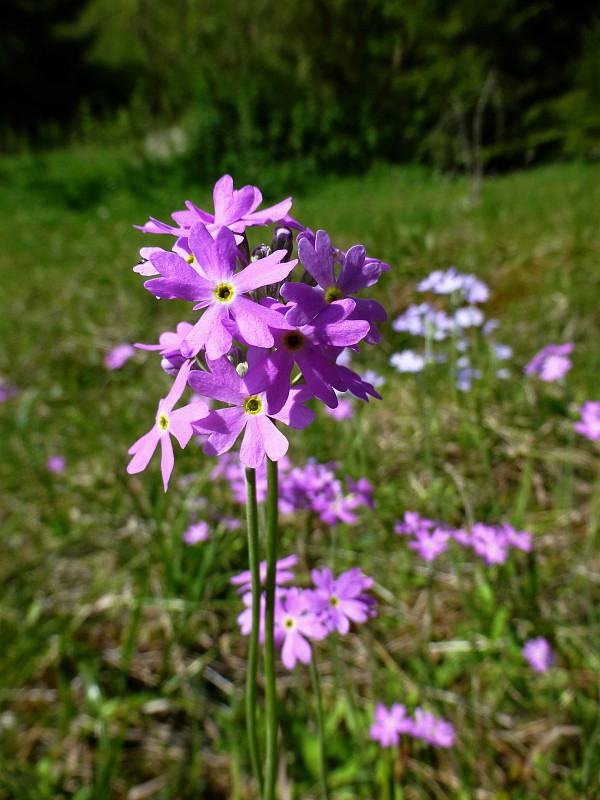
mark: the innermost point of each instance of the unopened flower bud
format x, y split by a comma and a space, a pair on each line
262, 251
171, 362
283, 239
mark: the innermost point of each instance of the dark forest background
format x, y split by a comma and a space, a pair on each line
329, 84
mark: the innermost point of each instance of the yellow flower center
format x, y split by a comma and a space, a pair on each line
190, 259
252, 405
163, 422
334, 601
224, 292
293, 340
332, 294
289, 623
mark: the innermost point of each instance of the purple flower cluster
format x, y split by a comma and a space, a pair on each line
589, 426
314, 487
455, 324
390, 724
306, 615
491, 543
262, 346
551, 363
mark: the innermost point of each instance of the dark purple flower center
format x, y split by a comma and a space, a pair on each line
293, 340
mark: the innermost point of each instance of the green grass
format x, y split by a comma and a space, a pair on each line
122, 664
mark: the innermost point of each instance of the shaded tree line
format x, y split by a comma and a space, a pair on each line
332, 83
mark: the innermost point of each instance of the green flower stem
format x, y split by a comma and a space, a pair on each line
391, 771
316, 685
254, 562
270, 689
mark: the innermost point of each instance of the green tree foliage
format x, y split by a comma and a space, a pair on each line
338, 83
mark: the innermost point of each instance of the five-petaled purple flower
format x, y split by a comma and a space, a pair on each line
250, 412
342, 600
211, 282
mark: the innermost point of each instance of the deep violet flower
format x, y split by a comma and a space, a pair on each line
538, 653
178, 423
250, 411
318, 259
309, 346
219, 290
590, 420
296, 624
390, 724
342, 600
551, 363
235, 209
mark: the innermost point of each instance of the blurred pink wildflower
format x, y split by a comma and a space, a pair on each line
538, 653
551, 363
590, 420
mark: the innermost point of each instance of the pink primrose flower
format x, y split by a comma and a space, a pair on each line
551, 363
198, 532
234, 209
250, 412
216, 288
342, 600
296, 625
590, 420
390, 724
168, 422
538, 653
436, 732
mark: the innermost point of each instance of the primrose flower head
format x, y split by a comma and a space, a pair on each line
590, 420
168, 422
389, 724
434, 731
198, 532
342, 600
551, 363
538, 653
296, 624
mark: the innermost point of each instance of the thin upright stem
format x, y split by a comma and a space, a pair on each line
316, 685
254, 562
270, 689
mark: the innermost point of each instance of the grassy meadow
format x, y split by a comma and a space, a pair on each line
122, 663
